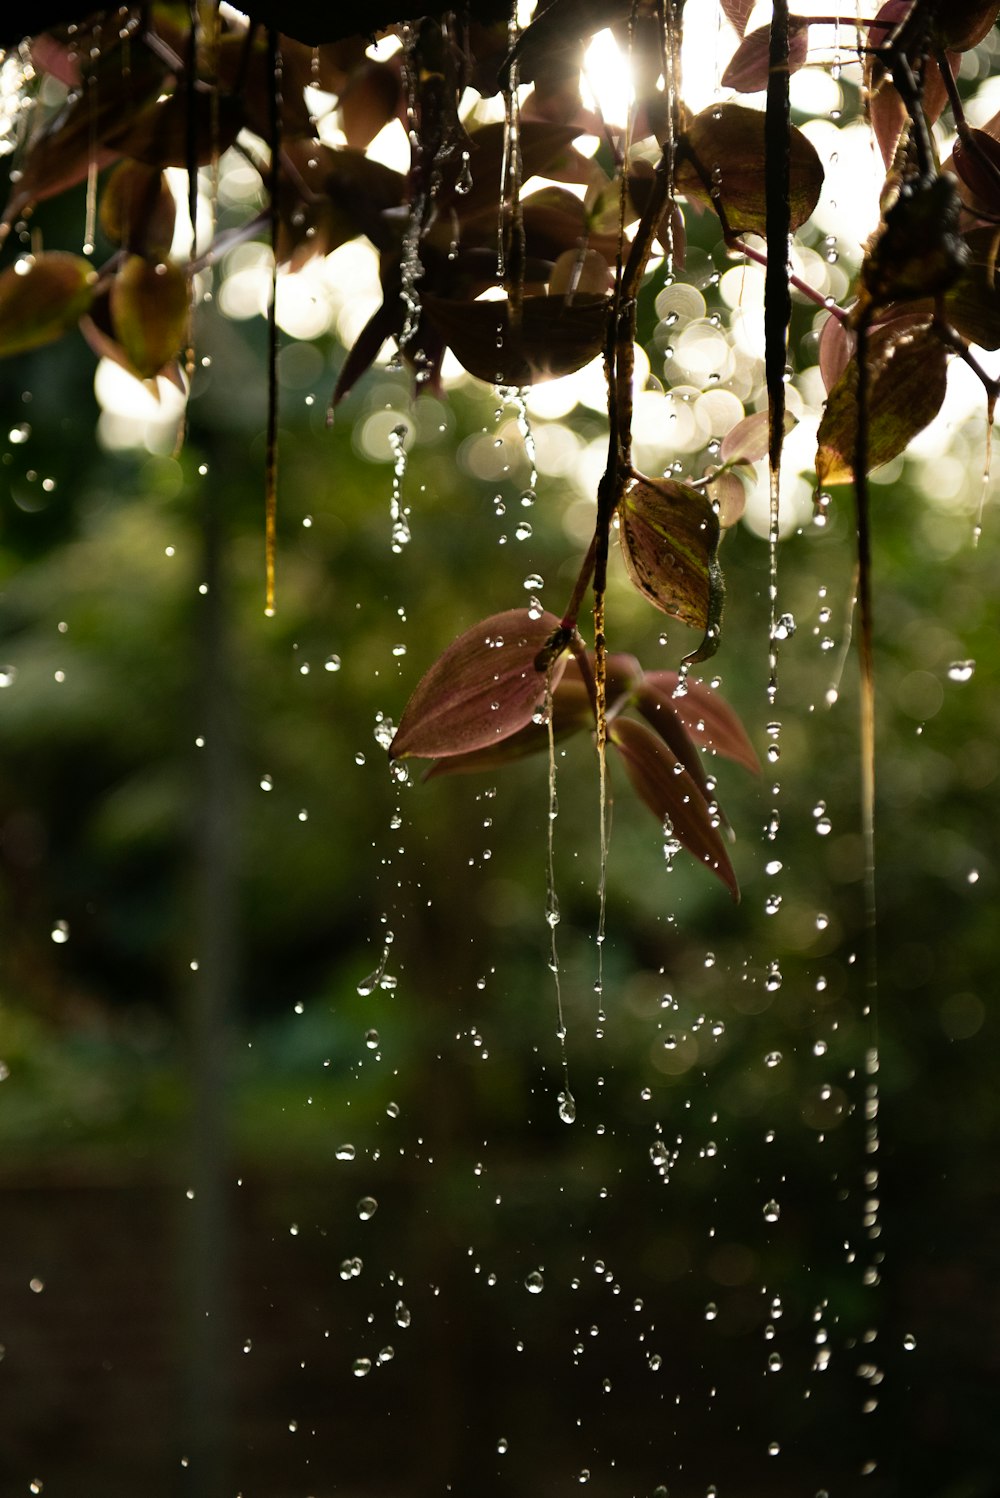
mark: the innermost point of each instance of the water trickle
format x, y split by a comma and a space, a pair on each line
398, 512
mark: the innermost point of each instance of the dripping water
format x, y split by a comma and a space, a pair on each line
566, 1101
398, 512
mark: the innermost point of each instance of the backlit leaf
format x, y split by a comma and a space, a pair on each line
746, 442
487, 685
149, 310
41, 297
138, 209
669, 534
722, 164
748, 69
973, 303
673, 797
555, 336
907, 380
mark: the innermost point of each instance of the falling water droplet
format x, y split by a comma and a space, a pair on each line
367, 1207
772, 1211
535, 1282
362, 1367
961, 670
567, 1107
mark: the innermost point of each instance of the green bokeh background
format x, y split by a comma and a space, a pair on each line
179, 1311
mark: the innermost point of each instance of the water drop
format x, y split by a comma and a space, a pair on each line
711, 1311
533, 582
773, 1058
60, 933
332, 663
774, 1363
535, 1282
659, 1154
567, 1107
402, 1314
8, 675
502, 1445
772, 1211
345, 1152
523, 530
909, 1342
362, 1367
961, 670
367, 1207
371, 1039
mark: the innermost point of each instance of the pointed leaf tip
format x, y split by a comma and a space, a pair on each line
486, 686
672, 796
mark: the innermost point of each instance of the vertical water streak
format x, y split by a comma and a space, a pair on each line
397, 510
566, 1101
90, 212
271, 456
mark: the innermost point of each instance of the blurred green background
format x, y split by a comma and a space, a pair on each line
202, 856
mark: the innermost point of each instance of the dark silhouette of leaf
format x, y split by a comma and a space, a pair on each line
557, 34
41, 297
748, 68
669, 534
976, 163
369, 101
138, 210
973, 303
149, 311
486, 686
673, 797
546, 151
555, 336
722, 164
708, 717
907, 372
964, 23
917, 252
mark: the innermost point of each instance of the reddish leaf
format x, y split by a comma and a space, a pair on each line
149, 311
907, 380
555, 336
485, 687
571, 712
658, 711
727, 491
669, 534
672, 796
964, 23
747, 72
836, 345
708, 717
41, 297
977, 166
546, 150
723, 164
738, 13
746, 442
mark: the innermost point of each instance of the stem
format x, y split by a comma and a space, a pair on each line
760, 258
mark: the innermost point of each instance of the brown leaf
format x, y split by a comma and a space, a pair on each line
41, 297
727, 491
973, 303
369, 101
708, 717
149, 311
748, 70
917, 252
672, 796
669, 535
722, 164
486, 686
138, 209
907, 379
555, 336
